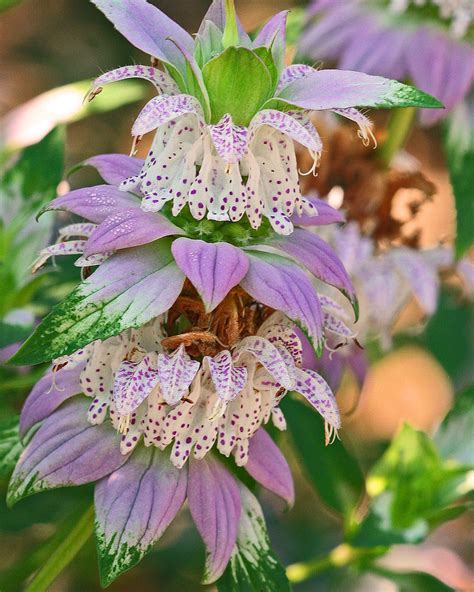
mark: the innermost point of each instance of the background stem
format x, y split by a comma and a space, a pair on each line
64, 553
398, 131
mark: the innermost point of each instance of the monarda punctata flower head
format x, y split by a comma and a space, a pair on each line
174, 353
429, 42
228, 112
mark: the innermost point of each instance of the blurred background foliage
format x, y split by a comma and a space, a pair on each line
402, 473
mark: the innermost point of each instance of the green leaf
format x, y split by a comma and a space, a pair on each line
377, 529
10, 334
253, 566
238, 83
36, 174
334, 473
413, 472
452, 437
128, 290
413, 582
10, 445
4, 4
461, 170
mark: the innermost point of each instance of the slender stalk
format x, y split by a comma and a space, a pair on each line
64, 553
398, 131
341, 556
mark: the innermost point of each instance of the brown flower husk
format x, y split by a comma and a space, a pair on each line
370, 189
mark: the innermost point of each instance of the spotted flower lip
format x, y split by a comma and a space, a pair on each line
397, 44
143, 259
171, 398
224, 144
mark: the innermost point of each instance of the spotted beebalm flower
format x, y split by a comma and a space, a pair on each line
228, 112
174, 413
429, 42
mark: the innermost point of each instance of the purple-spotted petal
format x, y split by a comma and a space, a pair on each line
66, 450
94, 203
48, 394
115, 168
162, 109
133, 383
148, 28
292, 73
326, 214
271, 358
318, 257
229, 140
288, 125
318, 393
176, 373
213, 268
278, 283
214, 502
130, 227
228, 379
160, 80
134, 506
267, 465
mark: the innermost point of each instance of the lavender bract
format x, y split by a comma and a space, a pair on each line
428, 42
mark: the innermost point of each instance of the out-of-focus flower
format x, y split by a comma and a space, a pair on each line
428, 42
385, 283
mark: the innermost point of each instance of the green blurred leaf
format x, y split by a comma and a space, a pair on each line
10, 445
461, 170
4, 4
238, 83
334, 473
10, 334
36, 174
454, 436
413, 582
253, 566
413, 490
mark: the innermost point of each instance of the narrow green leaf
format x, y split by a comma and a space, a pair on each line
128, 290
452, 437
334, 473
64, 553
238, 83
413, 582
10, 445
253, 566
461, 170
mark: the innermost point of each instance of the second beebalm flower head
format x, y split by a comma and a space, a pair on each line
228, 111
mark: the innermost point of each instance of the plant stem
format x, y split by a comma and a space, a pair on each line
64, 553
398, 131
341, 556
